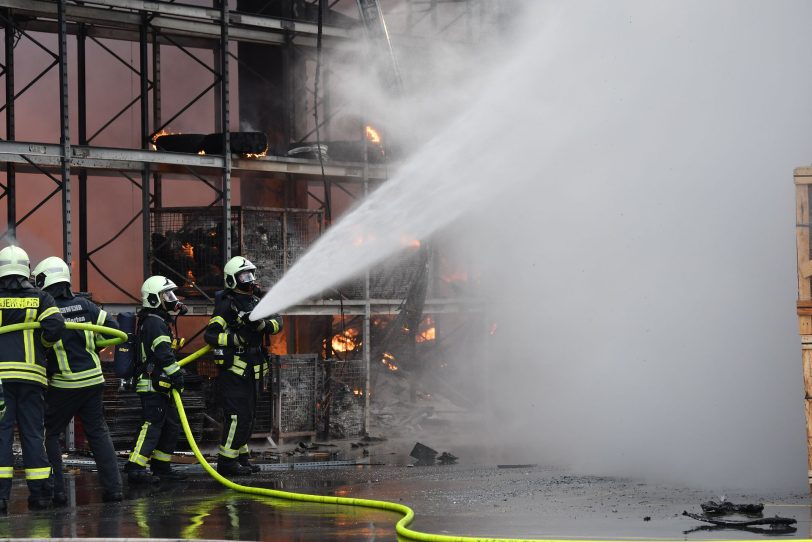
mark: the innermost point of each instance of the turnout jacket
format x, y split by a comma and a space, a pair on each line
22, 353
239, 338
74, 362
155, 340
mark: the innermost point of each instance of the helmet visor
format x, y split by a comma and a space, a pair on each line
245, 277
170, 300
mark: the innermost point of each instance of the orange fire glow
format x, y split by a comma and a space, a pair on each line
372, 135
190, 278
345, 341
429, 335
188, 250
159, 134
388, 360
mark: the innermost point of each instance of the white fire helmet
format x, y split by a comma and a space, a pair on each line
50, 271
157, 289
239, 273
14, 261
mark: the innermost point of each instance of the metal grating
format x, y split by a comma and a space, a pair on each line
273, 239
346, 386
186, 243
297, 390
388, 280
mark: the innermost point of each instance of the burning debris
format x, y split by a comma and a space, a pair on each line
245, 144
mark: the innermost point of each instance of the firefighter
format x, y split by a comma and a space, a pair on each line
158, 373
23, 372
243, 362
76, 384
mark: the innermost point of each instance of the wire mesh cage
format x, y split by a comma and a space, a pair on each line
388, 280
345, 404
296, 389
186, 246
186, 243
273, 239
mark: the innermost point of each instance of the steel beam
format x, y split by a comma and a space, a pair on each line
64, 139
11, 174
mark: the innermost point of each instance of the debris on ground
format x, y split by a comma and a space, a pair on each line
423, 454
447, 459
724, 507
776, 524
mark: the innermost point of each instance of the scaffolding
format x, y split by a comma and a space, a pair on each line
206, 36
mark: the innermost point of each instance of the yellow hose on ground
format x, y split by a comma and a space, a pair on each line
401, 527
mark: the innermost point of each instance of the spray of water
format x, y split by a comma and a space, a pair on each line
626, 179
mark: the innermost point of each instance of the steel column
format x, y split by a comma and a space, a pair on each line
145, 142
225, 121
11, 169
156, 109
82, 98
64, 140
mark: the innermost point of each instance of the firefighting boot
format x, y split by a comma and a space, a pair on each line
136, 474
164, 471
243, 461
230, 467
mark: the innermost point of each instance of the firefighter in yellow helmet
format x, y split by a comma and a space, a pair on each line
76, 384
158, 373
242, 364
23, 372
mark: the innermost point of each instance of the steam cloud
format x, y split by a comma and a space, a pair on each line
626, 178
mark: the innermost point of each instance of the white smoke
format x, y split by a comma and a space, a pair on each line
627, 177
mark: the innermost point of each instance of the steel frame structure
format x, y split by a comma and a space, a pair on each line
152, 24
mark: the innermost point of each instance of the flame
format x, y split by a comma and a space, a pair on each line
256, 155
190, 278
358, 392
159, 134
345, 341
429, 335
188, 250
202, 153
372, 135
388, 360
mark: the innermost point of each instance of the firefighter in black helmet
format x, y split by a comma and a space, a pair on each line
243, 362
76, 384
158, 374
23, 372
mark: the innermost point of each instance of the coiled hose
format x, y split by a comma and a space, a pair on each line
401, 527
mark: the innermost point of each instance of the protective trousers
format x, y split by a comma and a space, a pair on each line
62, 404
239, 395
25, 407
158, 436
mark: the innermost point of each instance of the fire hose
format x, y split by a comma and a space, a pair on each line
401, 527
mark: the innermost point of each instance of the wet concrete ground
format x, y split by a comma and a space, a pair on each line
531, 502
